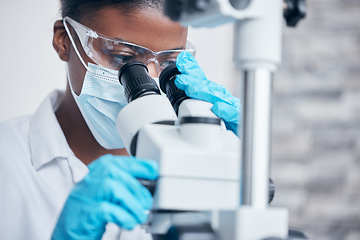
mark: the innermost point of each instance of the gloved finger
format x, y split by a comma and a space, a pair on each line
121, 195
116, 166
193, 81
141, 194
229, 114
138, 168
113, 213
103, 182
142, 168
206, 90
187, 64
91, 219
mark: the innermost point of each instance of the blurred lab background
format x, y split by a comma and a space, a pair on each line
316, 102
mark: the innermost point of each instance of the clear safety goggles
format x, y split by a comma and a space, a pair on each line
114, 53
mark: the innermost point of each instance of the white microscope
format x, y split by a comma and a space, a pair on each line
211, 185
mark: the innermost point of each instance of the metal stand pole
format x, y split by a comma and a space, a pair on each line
256, 115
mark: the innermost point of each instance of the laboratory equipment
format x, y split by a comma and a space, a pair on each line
207, 189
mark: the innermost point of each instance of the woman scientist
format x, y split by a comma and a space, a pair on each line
64, 171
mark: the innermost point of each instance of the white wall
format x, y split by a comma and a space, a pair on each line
30, 68
214, 54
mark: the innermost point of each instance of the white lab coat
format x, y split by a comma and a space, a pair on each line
37, 172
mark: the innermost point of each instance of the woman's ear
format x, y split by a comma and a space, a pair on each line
61, 41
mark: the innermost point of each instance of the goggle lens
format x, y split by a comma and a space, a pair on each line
113, 54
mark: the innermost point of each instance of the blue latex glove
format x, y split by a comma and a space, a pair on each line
193, 81
109, 193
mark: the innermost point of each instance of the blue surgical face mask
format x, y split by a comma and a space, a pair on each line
100, 101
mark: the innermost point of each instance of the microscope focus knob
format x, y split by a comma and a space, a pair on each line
294, 11
148, 184
271, 190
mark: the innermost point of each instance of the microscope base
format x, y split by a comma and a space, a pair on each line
248, 223
245, 223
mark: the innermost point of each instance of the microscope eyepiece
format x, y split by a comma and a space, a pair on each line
167, 85
136, 80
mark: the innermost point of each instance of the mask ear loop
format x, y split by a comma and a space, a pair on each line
67, 64
74, 45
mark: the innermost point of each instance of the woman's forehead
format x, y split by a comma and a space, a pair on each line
146, 27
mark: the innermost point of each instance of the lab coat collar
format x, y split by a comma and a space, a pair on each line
44, 128
47, 140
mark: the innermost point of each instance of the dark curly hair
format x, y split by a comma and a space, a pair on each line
77, 9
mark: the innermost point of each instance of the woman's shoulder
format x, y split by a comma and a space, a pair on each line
14, 137
14, 127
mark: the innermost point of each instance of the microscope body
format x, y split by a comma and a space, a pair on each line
199, 176
196, 159
199, 165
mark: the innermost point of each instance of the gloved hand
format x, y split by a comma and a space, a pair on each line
109, 193
193, 81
